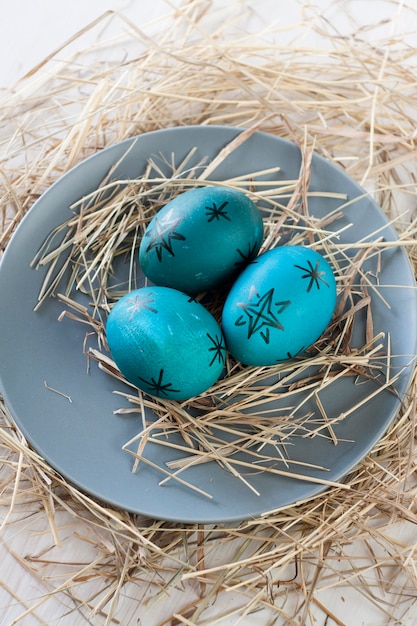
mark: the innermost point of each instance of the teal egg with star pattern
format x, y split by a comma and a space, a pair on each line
279, 305
201, 239
165, 343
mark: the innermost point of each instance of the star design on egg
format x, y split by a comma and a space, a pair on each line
162, 233
158, 387
313, 274
137, 304
246, 256
262, 315
215, 213
218, 348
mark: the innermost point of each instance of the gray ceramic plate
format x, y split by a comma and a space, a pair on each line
83, 440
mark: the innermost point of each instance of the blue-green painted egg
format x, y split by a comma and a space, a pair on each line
165, 343
279, 305
201, 239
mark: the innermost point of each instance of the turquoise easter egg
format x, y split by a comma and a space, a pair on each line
165, 343
201, 239
279, 305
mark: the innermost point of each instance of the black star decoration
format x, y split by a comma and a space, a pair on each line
313, 274
215, 213
246, 256
218, 348
162, 233
260, 316
157, 387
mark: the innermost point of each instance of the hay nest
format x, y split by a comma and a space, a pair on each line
350, 98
